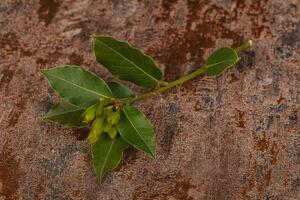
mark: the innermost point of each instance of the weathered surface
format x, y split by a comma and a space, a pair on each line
234, 137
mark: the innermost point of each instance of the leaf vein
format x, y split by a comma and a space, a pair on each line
69, 82
137, 131
130, 61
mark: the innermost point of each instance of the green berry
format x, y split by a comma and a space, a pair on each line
113, 118
99, 109
107, 127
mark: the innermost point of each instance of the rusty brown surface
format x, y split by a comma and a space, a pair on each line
234, 137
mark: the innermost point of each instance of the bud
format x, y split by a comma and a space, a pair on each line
113, 118
96, 130
112, 132
89, 114
107, 127
109, 108
92, 137
100, 107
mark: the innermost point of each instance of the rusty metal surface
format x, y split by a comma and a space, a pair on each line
234, 137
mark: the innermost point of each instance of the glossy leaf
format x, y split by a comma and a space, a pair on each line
120, 90
66, 114
126, 62
221, 60
107, 154
137, 130
77, 85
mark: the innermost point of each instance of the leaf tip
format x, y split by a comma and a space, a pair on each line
152, 154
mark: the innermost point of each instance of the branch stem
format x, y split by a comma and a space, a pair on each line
243, 47
183, 79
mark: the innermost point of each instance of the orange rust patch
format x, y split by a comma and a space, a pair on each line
280, 99
48, 10
182, 188
177, 188
233, 78
266, 182
240, 118
9, 43
263, 143
14, 116
251, 181
274, 153
10, 174
40, 187
258, 15
5, 77
197, 106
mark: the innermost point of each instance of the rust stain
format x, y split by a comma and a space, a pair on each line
167, 8
240, 115
173, 53
233, 78
48, 10
263, 143
10, 174
40, 187
259, 8
197, 106
251, 183
280, 100
176, 188
258, 14
15, 114
267, 177
75, 59
9, 42
176, 47
182, 188
274, 153
201, 33
51, 58
286, 178
216, 17
5, 77
80, 134
266, 182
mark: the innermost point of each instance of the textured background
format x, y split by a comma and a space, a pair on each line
234, 137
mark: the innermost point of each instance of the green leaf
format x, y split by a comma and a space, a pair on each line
76, 85
120, 90
66, 114
126, 62
221, 60
137, 130
107, 154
